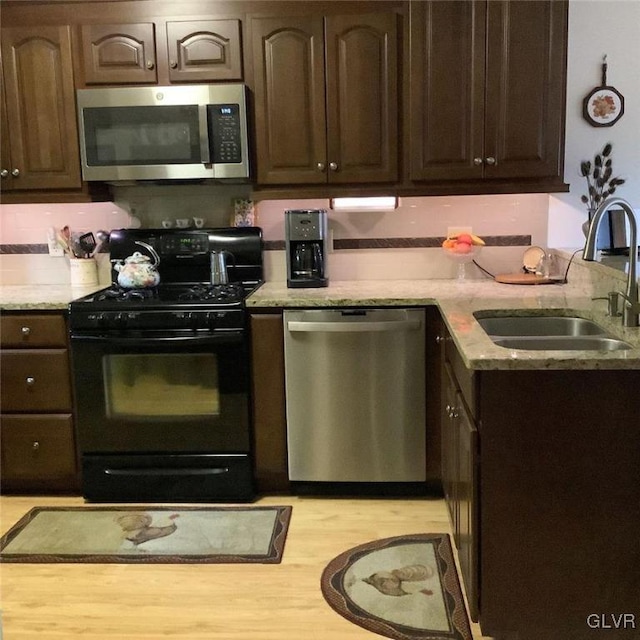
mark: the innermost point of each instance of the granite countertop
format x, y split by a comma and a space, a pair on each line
44, 297
457, 303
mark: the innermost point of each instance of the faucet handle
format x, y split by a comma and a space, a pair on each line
612, 303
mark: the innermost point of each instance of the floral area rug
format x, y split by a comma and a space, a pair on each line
405, 588
148, 534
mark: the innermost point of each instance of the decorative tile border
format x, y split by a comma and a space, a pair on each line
338, 244
18, 249
406, 243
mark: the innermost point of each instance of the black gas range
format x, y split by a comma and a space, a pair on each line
161, 373
184, 298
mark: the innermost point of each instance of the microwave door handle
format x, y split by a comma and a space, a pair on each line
205, 147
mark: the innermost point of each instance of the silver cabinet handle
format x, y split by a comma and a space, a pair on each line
478, 161
30, 381
4, 173
15, 172
25, 331
36, 445
320, 166
491, 160
150, 64
333, 166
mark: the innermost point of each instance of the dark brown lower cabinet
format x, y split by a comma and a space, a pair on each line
542, 477
460, 482
38, 453
269, 412
37, 444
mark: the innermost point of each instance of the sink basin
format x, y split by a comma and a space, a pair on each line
561, 343
540, 326
549, 333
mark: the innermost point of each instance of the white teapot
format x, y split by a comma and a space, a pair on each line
138, 271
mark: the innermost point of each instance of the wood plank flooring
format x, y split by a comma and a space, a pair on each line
206, 602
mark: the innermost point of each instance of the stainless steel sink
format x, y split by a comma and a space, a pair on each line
561, 343
540, 326
549, 333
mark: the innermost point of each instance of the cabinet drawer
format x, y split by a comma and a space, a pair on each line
33, 331
37, 449
465, 378
35, 381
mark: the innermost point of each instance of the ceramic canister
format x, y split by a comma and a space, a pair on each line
83, 271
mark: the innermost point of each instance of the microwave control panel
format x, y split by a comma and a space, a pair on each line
225, 133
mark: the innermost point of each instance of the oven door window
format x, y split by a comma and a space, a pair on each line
117, 136
161, 386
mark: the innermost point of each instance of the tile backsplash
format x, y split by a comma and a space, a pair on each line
425, 217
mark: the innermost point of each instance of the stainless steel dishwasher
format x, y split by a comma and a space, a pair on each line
355, 395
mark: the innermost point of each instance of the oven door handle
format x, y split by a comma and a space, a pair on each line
220, 338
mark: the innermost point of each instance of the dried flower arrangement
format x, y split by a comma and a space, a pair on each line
598, 175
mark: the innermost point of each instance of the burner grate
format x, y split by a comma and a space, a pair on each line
121, 294
222, 293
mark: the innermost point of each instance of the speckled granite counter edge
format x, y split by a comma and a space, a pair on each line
458, 302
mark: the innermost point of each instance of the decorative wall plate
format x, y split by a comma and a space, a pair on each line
604, 105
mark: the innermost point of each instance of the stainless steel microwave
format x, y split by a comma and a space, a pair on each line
163, 133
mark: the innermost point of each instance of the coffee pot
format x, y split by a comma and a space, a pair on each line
139, 271
306, 233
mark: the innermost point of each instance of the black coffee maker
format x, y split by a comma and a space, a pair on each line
306, 245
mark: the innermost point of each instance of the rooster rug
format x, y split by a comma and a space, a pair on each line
405, 588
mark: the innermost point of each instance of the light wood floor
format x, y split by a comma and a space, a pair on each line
206, 602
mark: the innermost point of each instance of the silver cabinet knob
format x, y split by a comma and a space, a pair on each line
15, 172
30, 381
150, 64
4, 173
477, 161
333, 166
320, 166
491, 160
173, 64
439, 339
25, 331
36, 445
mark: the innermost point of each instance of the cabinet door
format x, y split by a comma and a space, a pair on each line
202, 51
269, 413
467, 502
525, 93
5, 150
449, 437
447, 89
37, 452
289, 92
40, 102
35, 380
33, 331
119, 53
362, 98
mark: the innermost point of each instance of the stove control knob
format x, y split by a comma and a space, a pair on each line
212, 320
120, 320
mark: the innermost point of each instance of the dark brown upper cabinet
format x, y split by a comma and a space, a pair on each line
326, 98
173, 51
487, 90
39, 131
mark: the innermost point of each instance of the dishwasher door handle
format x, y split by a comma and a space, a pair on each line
353, 327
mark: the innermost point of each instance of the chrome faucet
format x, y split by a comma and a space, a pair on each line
631, 309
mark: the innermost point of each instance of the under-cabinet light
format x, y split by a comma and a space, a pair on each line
378, 203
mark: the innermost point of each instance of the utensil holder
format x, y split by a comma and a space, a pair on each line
83, 271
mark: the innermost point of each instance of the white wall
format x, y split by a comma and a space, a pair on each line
596, 28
